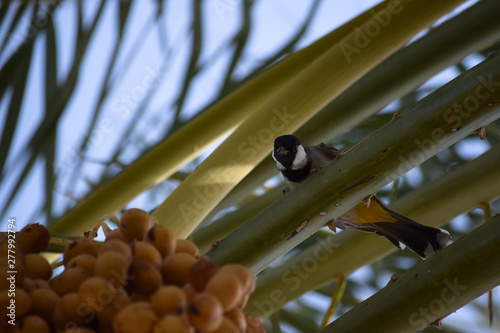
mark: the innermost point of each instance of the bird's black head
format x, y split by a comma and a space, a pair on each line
288, 152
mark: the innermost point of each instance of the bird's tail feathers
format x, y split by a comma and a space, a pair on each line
423, 240
401, 231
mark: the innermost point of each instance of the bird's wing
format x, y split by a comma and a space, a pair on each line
321, 155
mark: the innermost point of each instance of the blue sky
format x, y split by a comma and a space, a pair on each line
274, 20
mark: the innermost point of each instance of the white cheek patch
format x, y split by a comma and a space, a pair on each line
279, 166
300, 160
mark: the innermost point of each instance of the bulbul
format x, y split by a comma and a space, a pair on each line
297, 162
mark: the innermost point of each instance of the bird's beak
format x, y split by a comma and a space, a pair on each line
281, 151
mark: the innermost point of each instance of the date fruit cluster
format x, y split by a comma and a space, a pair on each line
140, 279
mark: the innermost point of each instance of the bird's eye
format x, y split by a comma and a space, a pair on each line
295, 148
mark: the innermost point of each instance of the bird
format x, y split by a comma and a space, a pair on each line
297, 162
